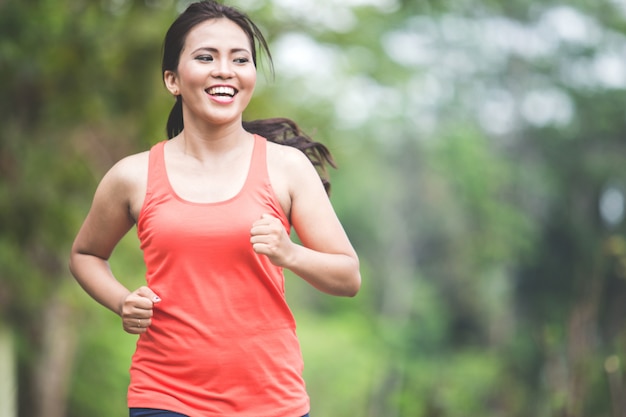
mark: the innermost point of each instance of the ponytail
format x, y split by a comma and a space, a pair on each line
286, 132
175, 120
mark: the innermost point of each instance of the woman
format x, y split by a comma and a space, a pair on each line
213, 206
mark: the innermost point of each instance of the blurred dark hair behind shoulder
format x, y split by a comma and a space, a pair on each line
287, 132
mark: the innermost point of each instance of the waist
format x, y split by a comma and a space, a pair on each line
220, 375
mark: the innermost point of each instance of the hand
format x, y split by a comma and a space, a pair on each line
269, 237
137, 310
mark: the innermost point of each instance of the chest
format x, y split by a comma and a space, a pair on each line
220, 183
206, 183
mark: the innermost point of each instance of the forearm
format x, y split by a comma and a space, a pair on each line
335, 274
95, 276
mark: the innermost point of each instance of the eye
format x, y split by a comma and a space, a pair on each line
241, 60
204, 58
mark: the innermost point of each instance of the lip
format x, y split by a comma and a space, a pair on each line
223, 87
222, 99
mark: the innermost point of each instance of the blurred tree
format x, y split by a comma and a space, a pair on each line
65, 83
493, 131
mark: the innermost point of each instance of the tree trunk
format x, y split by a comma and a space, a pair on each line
582, 327
8, 383
55, 363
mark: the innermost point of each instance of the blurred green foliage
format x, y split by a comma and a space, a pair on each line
481, 149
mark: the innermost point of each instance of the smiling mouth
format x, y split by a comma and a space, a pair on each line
221, 91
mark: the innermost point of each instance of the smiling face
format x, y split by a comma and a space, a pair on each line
215, 75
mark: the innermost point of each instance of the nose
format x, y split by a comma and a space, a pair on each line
222, 69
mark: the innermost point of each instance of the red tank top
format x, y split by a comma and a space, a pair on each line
222, 340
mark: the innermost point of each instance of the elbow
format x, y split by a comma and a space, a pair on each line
353, 289
73, 261
70, 263
71, 266
353, 284
348, 287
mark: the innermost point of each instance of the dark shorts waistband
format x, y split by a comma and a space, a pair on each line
152, 412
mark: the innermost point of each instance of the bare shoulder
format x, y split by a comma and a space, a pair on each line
132, 163
287, 158
126, 181
128, 170
290, 165
289, 171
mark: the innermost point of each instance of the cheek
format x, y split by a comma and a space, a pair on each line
252, 78
193, 75
190, 74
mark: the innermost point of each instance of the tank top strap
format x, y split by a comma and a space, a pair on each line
156, 169
258, 165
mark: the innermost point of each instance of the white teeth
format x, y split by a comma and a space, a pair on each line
229, 91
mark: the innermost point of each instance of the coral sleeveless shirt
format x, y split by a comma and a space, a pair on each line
222, 340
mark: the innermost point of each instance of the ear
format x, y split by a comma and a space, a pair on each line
170, 78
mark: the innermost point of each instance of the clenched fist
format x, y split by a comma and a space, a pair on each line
269, 237
137, 310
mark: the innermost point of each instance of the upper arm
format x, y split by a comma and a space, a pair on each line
312, 214
109, 217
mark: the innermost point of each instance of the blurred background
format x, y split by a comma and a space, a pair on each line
482, 176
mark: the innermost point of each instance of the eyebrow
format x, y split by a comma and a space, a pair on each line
215, 50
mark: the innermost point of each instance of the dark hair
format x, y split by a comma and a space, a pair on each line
279, 130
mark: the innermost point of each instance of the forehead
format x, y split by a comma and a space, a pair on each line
217, 33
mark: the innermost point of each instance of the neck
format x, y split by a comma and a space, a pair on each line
207, 144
